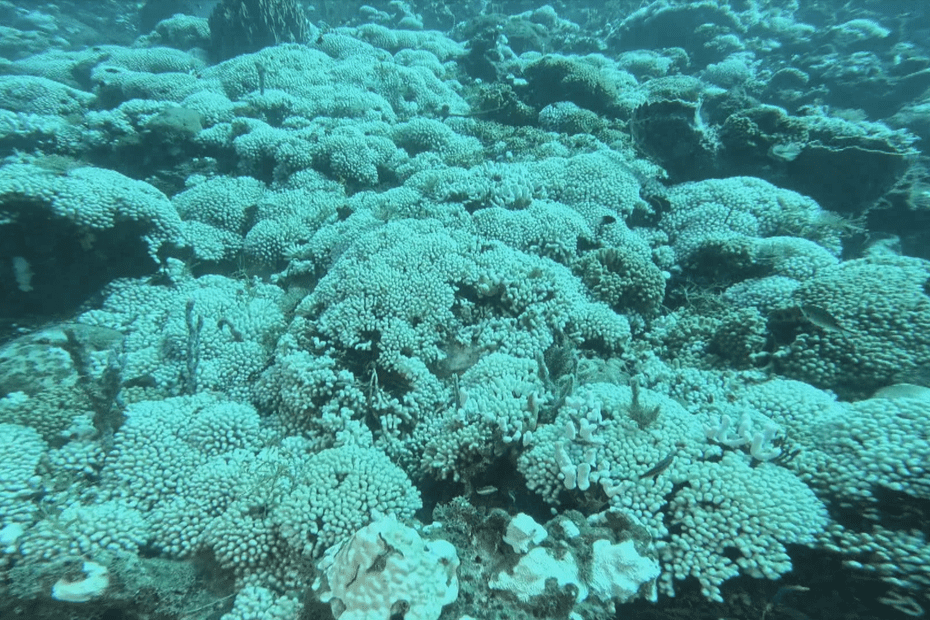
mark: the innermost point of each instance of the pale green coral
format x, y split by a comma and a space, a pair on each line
699, 507
880, 316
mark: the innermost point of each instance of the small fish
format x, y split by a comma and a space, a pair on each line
903, 390
789, 589
822, 319
786, 611
659, 467
919, 375
488, 490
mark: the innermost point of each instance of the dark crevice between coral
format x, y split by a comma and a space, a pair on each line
68, 264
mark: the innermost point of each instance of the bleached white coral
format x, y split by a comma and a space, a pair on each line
386, 568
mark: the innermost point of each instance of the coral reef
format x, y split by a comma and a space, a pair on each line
457, 311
